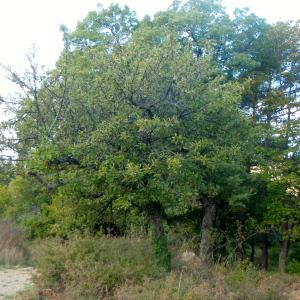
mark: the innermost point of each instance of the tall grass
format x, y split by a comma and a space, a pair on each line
219, 283
13, 248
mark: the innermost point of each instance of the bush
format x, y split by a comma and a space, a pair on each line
293, 267
91, 267
13, 249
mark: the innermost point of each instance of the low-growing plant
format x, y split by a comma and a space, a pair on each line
237, 283
125, 268
93, 267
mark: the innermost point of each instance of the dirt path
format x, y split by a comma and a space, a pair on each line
295, 294
13, 281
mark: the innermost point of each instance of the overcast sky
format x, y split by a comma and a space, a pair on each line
27, 22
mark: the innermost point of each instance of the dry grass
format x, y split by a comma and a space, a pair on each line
233, 284
122, 269
13, 250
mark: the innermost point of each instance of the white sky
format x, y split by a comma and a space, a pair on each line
27, 22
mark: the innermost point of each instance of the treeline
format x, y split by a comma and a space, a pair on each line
185, 125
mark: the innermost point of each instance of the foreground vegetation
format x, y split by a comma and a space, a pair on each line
125, 268
107, 267
184, 127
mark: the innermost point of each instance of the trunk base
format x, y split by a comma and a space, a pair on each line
159, 242
207, 234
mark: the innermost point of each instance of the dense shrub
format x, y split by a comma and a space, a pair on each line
13, 249
92, 267
293, 267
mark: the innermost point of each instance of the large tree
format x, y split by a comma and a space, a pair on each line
158, 120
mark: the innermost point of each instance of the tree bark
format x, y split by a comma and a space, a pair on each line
283, 255
240, 241
155, 214
284, 250
207, 238
252, 254
264, 263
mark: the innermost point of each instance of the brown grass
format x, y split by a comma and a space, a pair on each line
13, 250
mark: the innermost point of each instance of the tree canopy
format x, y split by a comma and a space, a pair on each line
187, 121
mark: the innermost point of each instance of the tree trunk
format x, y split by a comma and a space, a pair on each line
264, 263
283, 255
154, 211
160, 243
284, 250
240, 241
252, 254
207, 238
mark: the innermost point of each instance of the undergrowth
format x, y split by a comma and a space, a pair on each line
125, 268
92, 268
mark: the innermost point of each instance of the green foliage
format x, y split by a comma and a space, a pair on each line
26, 203
161, 252
293, 267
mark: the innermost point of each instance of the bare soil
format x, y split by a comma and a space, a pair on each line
13, 281
295, 294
